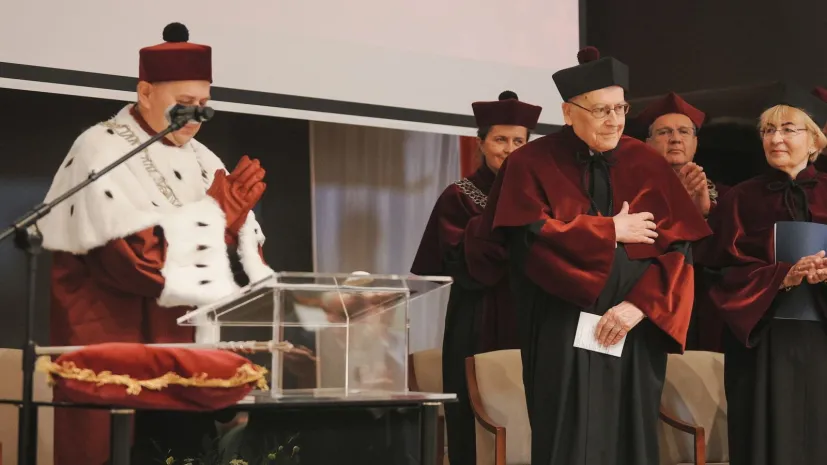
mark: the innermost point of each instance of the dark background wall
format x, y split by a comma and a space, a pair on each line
710, 45
691, 45
39, 128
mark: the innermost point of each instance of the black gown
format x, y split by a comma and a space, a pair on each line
587, 408
460, 340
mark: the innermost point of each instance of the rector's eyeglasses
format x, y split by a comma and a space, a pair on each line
786, 132
603, 111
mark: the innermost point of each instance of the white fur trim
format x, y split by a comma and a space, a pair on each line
112, 207
197, 268
127, 200
250, 238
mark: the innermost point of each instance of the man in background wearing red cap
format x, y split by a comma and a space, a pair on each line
599, 233
479, 318
673, 126
673, 131
161, 233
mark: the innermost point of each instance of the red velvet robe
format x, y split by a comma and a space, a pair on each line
546, 187
775, 371
547, 208
441, 253
743, 243
114, 291
480, 316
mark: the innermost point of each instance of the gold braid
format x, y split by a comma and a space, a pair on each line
245, 374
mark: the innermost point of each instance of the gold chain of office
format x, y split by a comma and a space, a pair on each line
473, 192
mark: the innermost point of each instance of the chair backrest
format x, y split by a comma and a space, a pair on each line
425, 375
694, 393
499, 377
11, 387
426, 366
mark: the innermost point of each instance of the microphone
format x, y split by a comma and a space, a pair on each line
179, 115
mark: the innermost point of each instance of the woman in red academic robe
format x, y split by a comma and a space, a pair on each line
775, 372
479, 317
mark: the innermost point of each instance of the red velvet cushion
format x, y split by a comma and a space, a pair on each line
140, 376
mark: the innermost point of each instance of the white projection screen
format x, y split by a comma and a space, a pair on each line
410, 64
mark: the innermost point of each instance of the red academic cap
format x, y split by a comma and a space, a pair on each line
507, 110
176, 59
592, 73
671, 103
821, 93
141, 376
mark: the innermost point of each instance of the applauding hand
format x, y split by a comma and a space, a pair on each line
239, 192
695, 182
813, 268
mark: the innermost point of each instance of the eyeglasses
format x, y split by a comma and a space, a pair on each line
786, 133
683, 132
603, 111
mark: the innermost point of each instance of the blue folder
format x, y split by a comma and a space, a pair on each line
793, 240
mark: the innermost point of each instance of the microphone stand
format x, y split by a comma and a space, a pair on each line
27, 237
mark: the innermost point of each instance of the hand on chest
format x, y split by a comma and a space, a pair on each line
572, 192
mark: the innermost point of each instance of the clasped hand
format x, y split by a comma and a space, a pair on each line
616, 323
813, 268
239, 192
634, 228
695, 182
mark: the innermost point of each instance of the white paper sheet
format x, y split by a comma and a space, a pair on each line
584, 337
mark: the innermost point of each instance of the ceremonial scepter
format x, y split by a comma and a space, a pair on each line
27, 237
231, 346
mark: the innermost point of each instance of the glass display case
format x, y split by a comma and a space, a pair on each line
330, 335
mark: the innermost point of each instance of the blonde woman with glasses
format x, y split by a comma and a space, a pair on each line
772, 299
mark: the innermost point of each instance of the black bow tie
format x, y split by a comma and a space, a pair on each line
792, 188
604, 158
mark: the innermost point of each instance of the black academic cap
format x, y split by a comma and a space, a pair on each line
785, 93
592, 73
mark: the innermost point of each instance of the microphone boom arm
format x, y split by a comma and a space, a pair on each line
30, 218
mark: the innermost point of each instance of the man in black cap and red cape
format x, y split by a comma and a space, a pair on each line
599, 233
479, 317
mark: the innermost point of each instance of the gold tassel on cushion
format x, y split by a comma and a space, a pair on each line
246, 374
